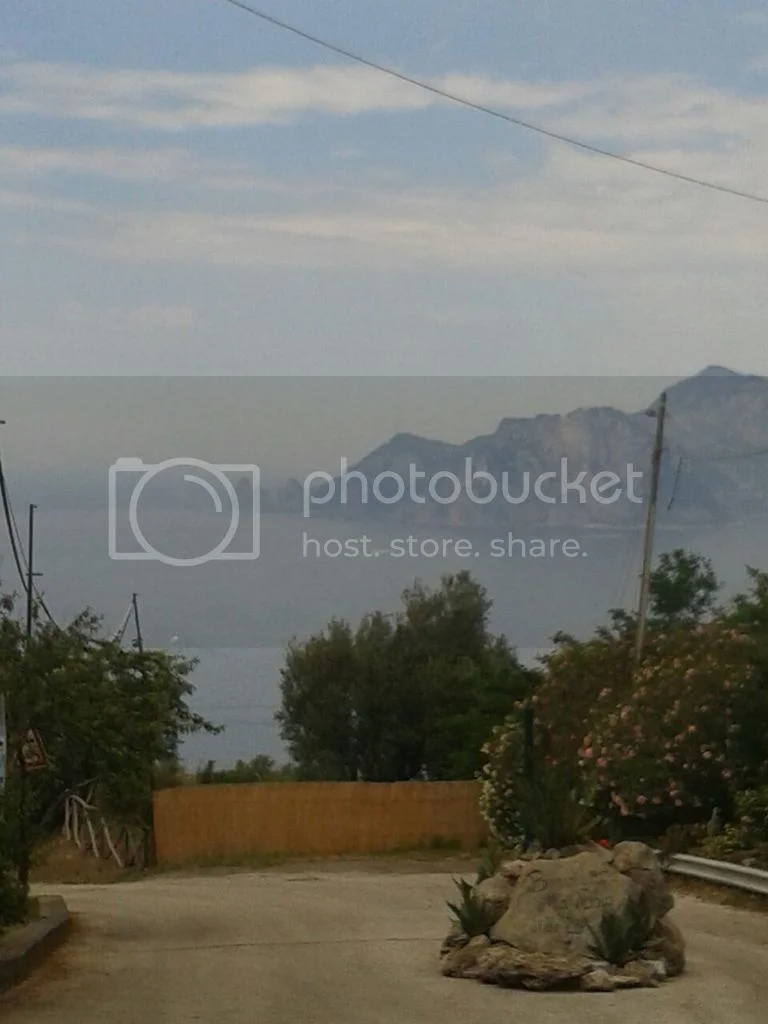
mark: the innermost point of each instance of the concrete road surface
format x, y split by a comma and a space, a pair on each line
341, 948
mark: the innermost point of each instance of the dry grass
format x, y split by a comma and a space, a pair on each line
59, 862
719, 894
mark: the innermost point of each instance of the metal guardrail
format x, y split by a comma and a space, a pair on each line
719, 872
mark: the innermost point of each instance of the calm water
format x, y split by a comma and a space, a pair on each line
236, 617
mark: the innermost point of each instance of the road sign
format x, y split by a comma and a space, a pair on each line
33, 752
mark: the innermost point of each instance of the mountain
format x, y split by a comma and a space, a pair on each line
552, 470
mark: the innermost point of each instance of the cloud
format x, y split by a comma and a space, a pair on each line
576, 212
155, 166
567, 211
178, 101
23, 200
148, 317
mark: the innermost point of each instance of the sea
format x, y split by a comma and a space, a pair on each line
236, 616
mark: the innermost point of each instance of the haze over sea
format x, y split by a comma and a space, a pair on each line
237, 617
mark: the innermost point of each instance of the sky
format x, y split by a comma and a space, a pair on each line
185, 190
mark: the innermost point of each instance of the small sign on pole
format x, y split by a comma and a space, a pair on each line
33, 752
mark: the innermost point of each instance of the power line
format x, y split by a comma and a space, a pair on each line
12, 529
491, 111
17, 547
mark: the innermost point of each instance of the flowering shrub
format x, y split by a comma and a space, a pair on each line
549, 809
672, 742
503, 754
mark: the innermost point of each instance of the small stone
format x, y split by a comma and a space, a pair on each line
494, 894
667, 943
598, 980
552, 854
512, 869
462, 962
638, 862
455, 939
637, 974
658, 969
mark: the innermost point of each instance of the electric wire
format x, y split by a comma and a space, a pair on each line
463, 101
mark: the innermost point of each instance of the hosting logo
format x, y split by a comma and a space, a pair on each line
553, 487
130, 475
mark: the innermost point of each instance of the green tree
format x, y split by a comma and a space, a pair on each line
260, 768
683, 590
402, 696
683, 594
108, 718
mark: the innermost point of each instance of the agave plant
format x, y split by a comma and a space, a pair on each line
552, 814
619, 937
473, 915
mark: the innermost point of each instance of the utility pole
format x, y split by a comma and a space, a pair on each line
23, 772
650, 523
3, 727
31, 570
149, 830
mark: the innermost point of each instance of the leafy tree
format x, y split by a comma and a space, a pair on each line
401, 696
261, 768
108, 718
683, 590
682, 594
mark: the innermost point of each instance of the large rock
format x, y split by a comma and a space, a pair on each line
494, 894
640, 863
557, 906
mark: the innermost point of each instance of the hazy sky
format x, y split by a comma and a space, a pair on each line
286, 425
185, 190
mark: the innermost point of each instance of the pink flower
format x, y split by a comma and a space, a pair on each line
602, 763
642, 800
589, 752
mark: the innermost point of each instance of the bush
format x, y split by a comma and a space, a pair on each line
13, 899
752, 809
547, 809
672, 746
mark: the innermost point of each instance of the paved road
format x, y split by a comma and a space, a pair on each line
341, 948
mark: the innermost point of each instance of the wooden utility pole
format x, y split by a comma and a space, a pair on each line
24, 853
31, 570
149, 831
650, 523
